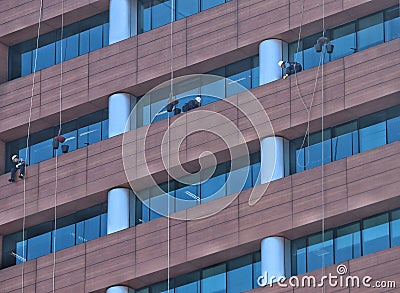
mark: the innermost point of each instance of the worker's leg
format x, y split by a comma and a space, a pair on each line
21, 171
13, 171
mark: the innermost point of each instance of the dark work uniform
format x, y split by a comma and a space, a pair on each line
20, 165
292, 67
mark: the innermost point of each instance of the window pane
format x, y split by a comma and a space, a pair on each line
344, 40
347, 243
92, 228
239, 180
314, 154
105, 34
256, 178
39, 245
186, 8
187, 197
207, 4
372, 136
188, 283
161, 13
395, 228
375, 234
80, 231
255, 73
393, 129
370, 31
256, 268
41, 151
240, 274
46, 56
21, 252
311, 58
83, 42
296, 52
70, 141
392, 24
96, 38
144, 16
214, 279
316, 251
213, 188
26, 63
299, 264
342, 146
65, 237
70, 48
103, 224
89, 135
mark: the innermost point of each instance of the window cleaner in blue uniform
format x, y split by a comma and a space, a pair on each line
290, 67
17, 164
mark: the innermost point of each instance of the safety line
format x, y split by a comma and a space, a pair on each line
59, 133
27, 144
322, 148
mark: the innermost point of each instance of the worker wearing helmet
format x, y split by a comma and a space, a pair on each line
17, 164
289, 67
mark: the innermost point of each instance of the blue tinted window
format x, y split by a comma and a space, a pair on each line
214, 279
92, 228
256, 178
41, 151
161, 13
71, 141
188, 283
103, 224
256, 268
207, 4
96, 38
317, 250
238, 180
64, 237
314, 154
213, 188
89, 134
185, 8
240, 277
21, 252
187, 197
105, 34
372, 136
70, 48
347, 243
144, 13
392, 24
84, 42
393, 129
45, 57
375, 234
395, 228
26, 63
255, 73
370, 31
39, 245
299, 256
344, 40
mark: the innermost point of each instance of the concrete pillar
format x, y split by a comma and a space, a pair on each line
118, 210
275, 259
123, 20
119, 108
274, 158
119, 289
271, 52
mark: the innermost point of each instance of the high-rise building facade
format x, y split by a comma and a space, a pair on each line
251, 175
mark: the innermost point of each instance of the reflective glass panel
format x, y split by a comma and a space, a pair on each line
84, 42
318, 250
214, 279
370, 31
39, 245
71, 141
256, 178
144, 13
344, 40
89, 134
187, 196
238, 180
372, 136
21, 252
188, 283
347, 243
185, 8
103, 224
64, 237
314, 154
213, 188
46, 56
375, 235
240, 274
392, 24
41, 151
299, 256
26, 63
393, 129
395, 228
207, 4
95, 38
256, 268
161, 13
92, 228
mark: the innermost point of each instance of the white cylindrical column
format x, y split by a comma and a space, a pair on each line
118, 210
118, 289
275, 257
274, 158
271, 52
119, 106
123, 20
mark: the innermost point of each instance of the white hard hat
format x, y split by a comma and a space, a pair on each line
198, 99
280, 63
13, 157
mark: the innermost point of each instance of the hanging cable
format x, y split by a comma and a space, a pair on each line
171, 97
59, 133
27, 142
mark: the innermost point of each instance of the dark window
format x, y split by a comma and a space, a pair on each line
214, 279
240, 274
392, 24
299, 256
344, 40
188, 283
347, 243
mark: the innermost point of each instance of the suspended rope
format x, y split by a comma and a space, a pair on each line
59, 133
27, 143
171, 97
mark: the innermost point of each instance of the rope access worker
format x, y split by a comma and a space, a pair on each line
18, 164
192, 104
290, 67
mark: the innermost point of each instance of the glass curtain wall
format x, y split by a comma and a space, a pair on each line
349, 38
71, 230
79, 133
347, 242
78, 38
